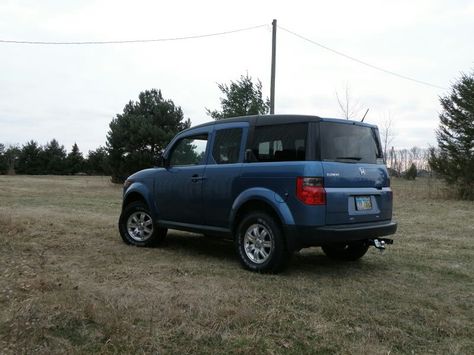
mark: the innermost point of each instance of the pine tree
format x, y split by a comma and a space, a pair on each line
75, 160
411, 173
12, 156
3, 160
454, 158
54, 158
97, 162
140, 134
29, 159
241, 98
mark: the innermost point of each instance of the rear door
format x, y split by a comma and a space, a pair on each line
355, 178
223, 170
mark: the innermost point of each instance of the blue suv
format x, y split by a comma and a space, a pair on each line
274, 184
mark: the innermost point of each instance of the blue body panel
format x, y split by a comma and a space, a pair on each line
279, 178
344, 181
143, 188
272, 199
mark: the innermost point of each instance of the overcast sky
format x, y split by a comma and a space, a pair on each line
72, 92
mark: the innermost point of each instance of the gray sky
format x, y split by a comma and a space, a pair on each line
72, 92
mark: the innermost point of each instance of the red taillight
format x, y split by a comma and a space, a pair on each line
310, 190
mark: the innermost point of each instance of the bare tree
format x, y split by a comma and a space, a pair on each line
393, 160
350, 108
387, 133
425, 159
401, 159
415, 156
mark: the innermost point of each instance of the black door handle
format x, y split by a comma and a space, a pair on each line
196, 178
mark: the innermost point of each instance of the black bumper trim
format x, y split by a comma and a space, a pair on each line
303, 236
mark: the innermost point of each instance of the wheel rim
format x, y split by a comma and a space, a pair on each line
140, 226
258, 243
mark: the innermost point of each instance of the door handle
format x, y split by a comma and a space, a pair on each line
196, 178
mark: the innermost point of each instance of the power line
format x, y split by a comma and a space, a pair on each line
134, 40
363, 62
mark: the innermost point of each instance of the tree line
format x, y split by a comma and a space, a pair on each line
453, 158
136, 137
139, 134
399, 161
52, 159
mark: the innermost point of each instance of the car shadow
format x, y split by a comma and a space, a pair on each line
310, 260
200, 245
313, 260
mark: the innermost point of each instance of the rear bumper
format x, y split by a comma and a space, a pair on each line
303, 236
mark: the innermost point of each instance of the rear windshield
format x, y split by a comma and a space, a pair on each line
349, 143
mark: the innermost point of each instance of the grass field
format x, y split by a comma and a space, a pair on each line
69, 285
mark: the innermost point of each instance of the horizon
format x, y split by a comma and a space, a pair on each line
71, 93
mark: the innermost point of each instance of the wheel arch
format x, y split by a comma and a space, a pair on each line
133, 196
263, 200
139, 192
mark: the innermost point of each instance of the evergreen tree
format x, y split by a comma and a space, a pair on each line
3, 160
454, 158
12, 155
29, 159
97, 162
75, 160
241, 98
140, 134
411, 173
54, 158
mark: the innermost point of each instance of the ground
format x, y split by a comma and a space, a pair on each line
69, 284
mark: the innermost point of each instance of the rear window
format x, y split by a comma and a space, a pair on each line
227, 145
349, 143
284, 142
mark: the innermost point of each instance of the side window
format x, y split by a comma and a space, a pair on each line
227, 145
285, 142
189, 151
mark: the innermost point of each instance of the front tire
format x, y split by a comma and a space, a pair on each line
138, 228
346, 251
260, 244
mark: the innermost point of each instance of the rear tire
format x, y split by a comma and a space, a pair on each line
260, 243
138, 228
346, 251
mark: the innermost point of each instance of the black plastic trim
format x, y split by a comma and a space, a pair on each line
196, 228
305, 236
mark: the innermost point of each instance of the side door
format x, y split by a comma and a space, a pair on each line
222, 183
178, 190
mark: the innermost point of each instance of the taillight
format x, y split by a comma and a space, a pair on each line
310, 190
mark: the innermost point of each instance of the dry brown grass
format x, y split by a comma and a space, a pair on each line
69, 285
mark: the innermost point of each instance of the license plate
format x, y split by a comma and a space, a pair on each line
363, 203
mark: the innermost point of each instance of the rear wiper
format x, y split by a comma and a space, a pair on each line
349, 158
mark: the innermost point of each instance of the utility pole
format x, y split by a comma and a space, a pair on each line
272, 81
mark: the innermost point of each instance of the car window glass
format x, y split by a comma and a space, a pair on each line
349, 143
189, 151
286, 142
226, 148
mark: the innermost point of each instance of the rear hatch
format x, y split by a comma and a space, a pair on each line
355, 178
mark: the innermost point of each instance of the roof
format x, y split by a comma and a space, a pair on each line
280, 119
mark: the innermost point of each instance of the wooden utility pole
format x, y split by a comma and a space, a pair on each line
272, 81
